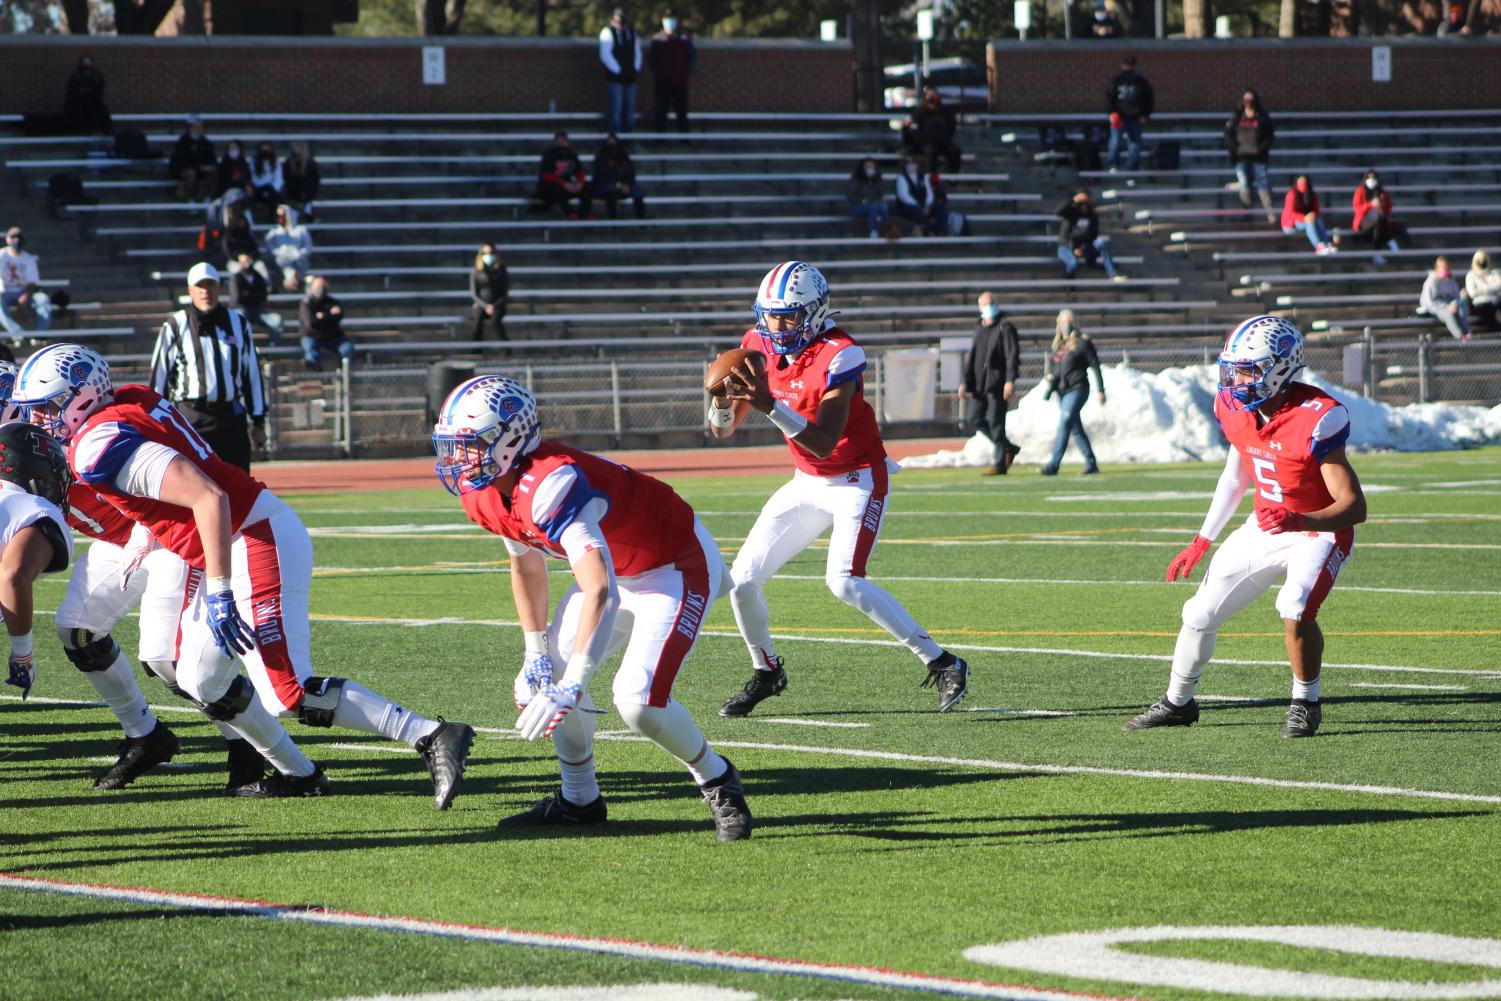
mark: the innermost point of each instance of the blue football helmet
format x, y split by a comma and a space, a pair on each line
1268, 347
791, 291
485, 427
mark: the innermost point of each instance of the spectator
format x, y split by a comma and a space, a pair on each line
929, 132
234, 170
673, 58
192, 164
1483, 287
561, 177
83, 105
1300, 214
1248, 140
249, 288
1131, 102
268, 187
1373, 216
490, 288
1079, 239
615, 177
1453, 22
290, 247
1442, 300
19, 278
1069, 366
620, 53
238, 236
919, 198
991, 367
302, 180
322, 320
1104, 24
865, 198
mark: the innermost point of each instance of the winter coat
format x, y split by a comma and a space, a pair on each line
1249, 138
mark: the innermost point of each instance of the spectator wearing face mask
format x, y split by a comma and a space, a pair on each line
991, 367
1373, 216
920, 200
19, 278
673, 58
1483, 288
1300, 214
268, 186
192, 163
1079, 239
561, 178
1453, 24
865, 197
490, 290
1442, 300
1131, 102
234, 171
1104, 24
1248, 140
1071, 362
615, 177
929, 133
290, 248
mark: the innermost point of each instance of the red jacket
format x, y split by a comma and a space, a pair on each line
1363, 205
1290, 206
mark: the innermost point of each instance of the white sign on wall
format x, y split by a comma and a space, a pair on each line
434, 70
1381, 64
1022, 14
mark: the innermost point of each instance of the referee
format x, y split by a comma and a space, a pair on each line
205, 363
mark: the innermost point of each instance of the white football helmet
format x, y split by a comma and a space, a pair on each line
796, 291
1269, 347
485, 426
9, 411
60, 386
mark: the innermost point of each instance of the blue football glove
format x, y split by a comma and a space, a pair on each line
231, 634
549, 708
535, 675
22, 673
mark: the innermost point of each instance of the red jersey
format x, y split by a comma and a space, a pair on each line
95, 517
801, 380
1282, 456
100, 449
646, 524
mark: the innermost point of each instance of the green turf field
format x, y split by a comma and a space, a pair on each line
887, 835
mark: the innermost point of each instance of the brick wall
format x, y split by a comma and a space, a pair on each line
1292, 74
364, 75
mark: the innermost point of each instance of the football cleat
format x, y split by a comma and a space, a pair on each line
950, 675
555, 811
1303, 719
446, 750
278, 786
245, 765
726, 798
137, 756
1164, 713
762, 685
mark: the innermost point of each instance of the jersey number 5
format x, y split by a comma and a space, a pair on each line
1266, 477
165, 413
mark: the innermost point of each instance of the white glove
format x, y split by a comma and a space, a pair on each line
141, 543
535, 675
550, 707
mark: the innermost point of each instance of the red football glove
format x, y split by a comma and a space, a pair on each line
1276, 520
1183, 564
1115, 120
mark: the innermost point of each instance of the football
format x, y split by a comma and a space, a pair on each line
721, 367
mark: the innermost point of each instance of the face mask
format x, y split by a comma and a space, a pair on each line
989, 313
1441, 272
1370, 183
1101, 16
870, 172
669, 24
1303, 187
234, 154
911, 170
488, 259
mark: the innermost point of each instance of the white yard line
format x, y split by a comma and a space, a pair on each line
1416, 688
811, 722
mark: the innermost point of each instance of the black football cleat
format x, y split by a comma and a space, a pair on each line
950, 675
762, 685
278, 786
1303, 719
137, 756
1164, 713
446, 750
555, 811
726, 798
245, 765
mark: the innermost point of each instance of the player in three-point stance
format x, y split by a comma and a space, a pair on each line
250, 561
813, 392
1287, 442
645, 574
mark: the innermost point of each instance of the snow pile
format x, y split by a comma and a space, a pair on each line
1168, 416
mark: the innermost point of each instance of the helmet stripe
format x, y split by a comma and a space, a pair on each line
458, 394
771, 281
786, 277
33, 360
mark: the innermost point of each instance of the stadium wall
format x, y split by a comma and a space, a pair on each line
1290, 74
239, 74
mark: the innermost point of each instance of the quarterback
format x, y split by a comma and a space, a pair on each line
813, 392
645, 574
1287, 443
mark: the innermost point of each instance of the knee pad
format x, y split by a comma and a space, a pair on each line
1196, 615
166, 672
845, 588
319, 700
235, 700
88, 652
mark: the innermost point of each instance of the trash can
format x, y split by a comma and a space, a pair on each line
443, 378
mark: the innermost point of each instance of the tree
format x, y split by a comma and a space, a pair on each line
1287, 19
439, 17
1196, 18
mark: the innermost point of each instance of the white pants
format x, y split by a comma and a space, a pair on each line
806, 506
271, 569
1250, 561
96, 602
660, 614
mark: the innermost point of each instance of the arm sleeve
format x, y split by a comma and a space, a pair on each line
904, 191
1425, 298
564, 496
474, 287
607, 51
583, 536
636, 40
1094, 367
1013, 350
1148, 99
847, 364
1331, 432
1227, 496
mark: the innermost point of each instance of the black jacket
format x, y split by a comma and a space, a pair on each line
1130, 95
489, 285
1078, 225
613, 169
318, 319
190, 152
248, 290
1263, 140
993, 359
301, 185
560, 165
239, 239
1068, 370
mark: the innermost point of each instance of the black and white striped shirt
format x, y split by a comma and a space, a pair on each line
209, 368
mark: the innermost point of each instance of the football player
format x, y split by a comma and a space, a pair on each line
250, 561
1287, 443
645, 573
34, 537
814, 394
